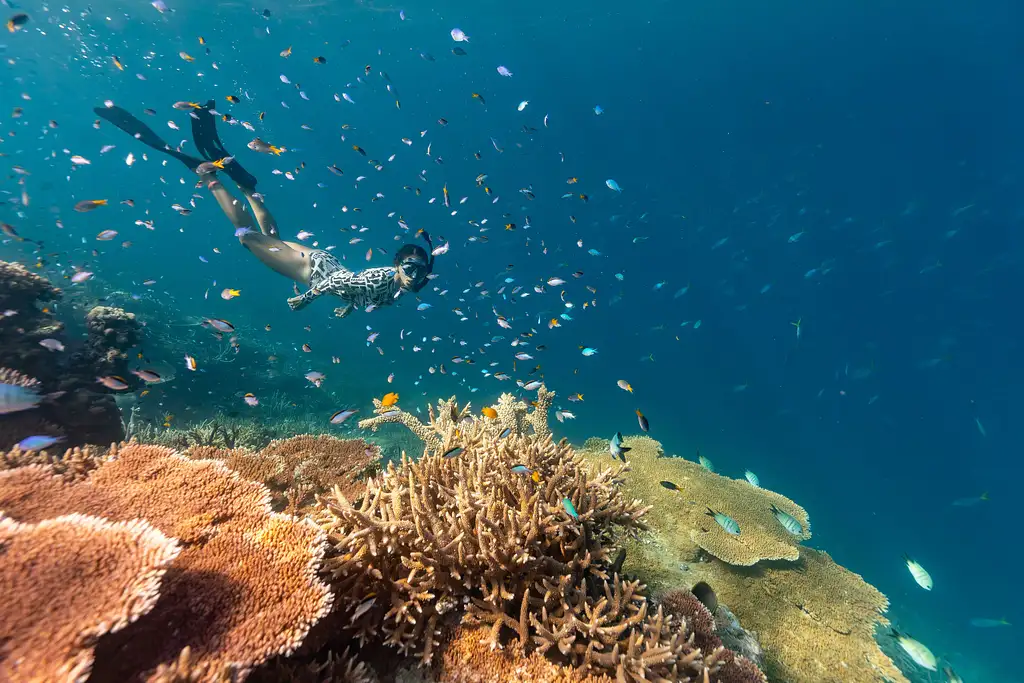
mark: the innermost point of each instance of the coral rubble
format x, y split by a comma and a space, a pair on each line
245, 585
68, 580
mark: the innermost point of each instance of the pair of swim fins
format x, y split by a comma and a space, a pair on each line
204, 134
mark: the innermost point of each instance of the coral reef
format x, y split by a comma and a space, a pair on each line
81, 410
299, 469
25, 294
761, 535
813, 618
513, 414
469, 658
704, 627
514, 526
75, 464
67, 581
245, 585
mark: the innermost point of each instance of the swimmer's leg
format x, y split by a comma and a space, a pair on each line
288, 259
279, 256
231, 207
266, 221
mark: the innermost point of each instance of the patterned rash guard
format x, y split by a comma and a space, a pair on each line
371, 287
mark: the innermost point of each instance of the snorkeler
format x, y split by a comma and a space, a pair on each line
315, 268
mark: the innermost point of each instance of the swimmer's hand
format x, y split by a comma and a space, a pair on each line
343, 311
297, 302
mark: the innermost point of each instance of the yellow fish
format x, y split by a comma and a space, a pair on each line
227, 294
489, 412
389, 399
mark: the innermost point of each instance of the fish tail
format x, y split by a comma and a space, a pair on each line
625, 449
984, 495
101, 202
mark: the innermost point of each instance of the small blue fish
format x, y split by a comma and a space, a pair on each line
725, 521
989, 623
589, 351
527, 472
616, 448
598, 110
570, 508
38, 443
788, 522
424, 306
705, 463
612, 185
593, 252
505, 432
453, 452
752, 478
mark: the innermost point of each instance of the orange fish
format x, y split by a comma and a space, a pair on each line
389, 399
489, 412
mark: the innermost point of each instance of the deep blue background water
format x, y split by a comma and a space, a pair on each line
866, 126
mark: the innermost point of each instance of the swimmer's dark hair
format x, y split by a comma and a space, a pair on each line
414, 253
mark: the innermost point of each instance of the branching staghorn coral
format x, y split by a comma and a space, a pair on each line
700, 624
245, 586
433, 534
67, 581
513, 414
75, 464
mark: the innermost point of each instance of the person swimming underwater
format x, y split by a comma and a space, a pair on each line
319, 270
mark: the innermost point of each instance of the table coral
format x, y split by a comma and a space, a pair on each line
245, 586
66, 582
813, 618
298, 469
761, 535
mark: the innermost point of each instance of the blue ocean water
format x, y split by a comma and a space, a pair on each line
853, 168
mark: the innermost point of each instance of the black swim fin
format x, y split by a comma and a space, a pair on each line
204, 134
143, 133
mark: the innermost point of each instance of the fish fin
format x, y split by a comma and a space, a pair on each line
984, 495
625, 449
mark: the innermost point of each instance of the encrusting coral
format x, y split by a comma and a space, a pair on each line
761, 537
298, 469
245, 586
67, 581
814, 619
514, 525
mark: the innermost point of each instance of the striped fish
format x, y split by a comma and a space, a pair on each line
921, 655
15, 398
788, 521
920, 574
725, 521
